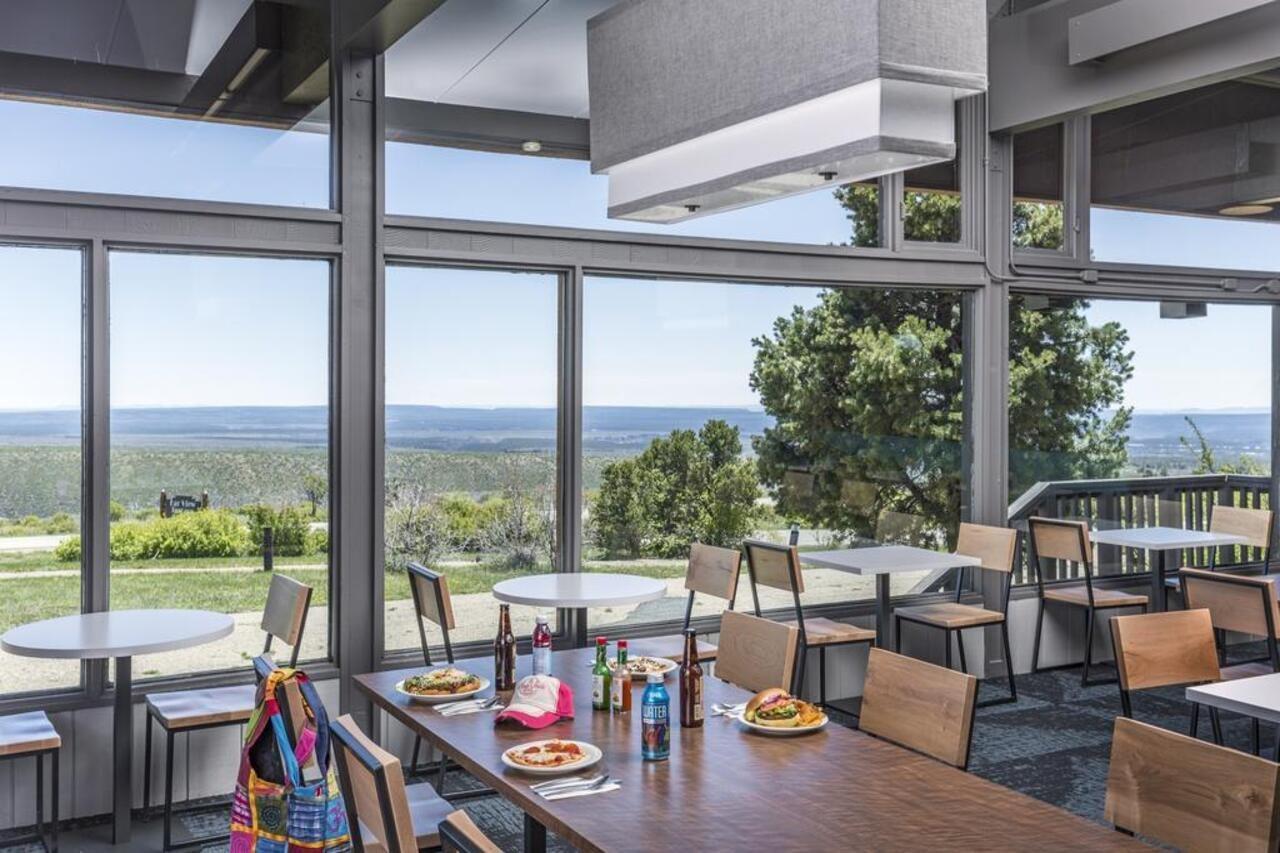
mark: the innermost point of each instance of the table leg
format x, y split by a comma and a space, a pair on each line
884, 631
122, 763
535, 835
1157, 584
581, 639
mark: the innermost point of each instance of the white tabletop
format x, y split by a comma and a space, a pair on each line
1164, 538
579, 589
116, 633
1257, 697
885, 559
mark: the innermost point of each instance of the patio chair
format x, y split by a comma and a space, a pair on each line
756, 653
1255, 525
919, 705
712, 571
384, 813
1189, 794
778, 567
1057, 539
1242, 603
995, 547
31, 735
184, 711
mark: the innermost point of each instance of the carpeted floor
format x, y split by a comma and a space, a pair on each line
1053, 745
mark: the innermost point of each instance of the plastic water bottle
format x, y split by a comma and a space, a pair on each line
655, 720
541, 647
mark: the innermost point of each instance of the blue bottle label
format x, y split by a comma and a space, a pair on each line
655, 730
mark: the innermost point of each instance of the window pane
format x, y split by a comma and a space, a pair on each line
471, 385
715, 412
1037, 188
1109, 399
155, 100
1190, 179
931, 200
40, 310
219, 428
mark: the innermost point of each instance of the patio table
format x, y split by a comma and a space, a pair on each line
1162, 540
579, 590
724, 788
118, 634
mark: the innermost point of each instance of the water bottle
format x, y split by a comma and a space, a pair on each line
655, 720
541, 647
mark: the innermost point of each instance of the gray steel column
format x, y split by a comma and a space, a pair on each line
95, 474
356, 94
1275, 406
569, 441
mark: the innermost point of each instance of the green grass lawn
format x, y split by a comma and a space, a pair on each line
43, 561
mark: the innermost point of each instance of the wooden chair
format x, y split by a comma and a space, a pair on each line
1242, 603
1166, 649
1057, 539
995, 547
458, 834
756, 653
31, 735
1255, 525
778, 567
1191, 794
919, 705
386, 816
712, 571
285, 618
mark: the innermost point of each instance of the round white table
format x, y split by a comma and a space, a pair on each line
118, 634
579, 590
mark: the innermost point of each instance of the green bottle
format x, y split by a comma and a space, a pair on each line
601, 677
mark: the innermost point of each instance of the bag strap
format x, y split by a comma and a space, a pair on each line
282, 742
321, 716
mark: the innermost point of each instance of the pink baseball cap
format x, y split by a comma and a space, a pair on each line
539, 701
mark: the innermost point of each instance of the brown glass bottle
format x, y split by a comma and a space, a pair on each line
504, 652
691, 715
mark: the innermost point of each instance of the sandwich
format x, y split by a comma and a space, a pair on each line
774, 707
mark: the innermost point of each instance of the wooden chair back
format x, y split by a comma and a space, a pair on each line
994, 546
1189, 793
1059, 539
459, 834
713, 571
1253, 524
1161, 649
919, 705
431, 601
776, 566
285, 614
756, 653
373, 789
1235, 602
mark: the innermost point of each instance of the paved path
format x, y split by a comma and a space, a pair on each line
31, 543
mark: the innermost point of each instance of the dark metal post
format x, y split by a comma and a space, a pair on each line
268, 549
122, 748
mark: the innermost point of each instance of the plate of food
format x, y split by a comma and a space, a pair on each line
549, 757
441, 685
776, 712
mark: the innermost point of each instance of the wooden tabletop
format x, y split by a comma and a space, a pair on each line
724, 788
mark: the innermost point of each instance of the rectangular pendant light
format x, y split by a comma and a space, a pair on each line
700, 106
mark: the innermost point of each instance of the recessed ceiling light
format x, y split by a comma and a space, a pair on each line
1246, 210
531, 146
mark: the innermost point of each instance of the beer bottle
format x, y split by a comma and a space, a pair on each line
690, 683
504, 652
601, 680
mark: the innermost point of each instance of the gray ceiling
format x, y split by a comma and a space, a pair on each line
526, 55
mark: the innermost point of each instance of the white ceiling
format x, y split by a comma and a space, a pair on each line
528, 55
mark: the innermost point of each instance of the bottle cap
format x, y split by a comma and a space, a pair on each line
600, 641
654, 678
622, 644
540, 619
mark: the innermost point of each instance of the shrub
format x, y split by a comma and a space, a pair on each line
117, 511
522, 528
68, 550
289, 526
60, 523
417, 528
318, 541
208, 533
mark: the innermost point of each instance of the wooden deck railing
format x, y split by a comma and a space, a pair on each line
1183, 501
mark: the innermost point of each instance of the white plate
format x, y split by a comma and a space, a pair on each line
773, 731
591, 756
436, 700
639, 677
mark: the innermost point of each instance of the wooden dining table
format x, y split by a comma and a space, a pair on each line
726, 788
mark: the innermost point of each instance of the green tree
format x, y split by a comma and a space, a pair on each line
1207, 460
686, 487
316, 488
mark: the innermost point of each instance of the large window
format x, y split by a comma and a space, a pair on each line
219, 429
1190, 179
1038, 188
1134, 413
144, 100
716, 412
40, 377
471, 427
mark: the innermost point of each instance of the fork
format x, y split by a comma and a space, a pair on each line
478, 705
605, 784
566, 784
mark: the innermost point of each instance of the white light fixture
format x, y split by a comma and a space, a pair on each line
1246, 210
531, 146
703, 107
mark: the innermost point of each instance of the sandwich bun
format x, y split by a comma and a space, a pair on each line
758, 700
784, 723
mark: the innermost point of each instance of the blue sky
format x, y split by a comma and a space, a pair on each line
228, 331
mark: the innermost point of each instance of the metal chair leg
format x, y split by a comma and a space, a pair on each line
1035, 649
40, 797
1195, 720
1088, 647
897, 634
413, 762
1008, 661
822, 676
1217, 726
1257, 737
146, 763
53, 807
168, 789
964, 667
444, 765
947, 634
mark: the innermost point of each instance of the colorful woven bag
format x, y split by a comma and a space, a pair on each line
274, 809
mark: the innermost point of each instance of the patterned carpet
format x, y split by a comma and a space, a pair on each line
1053, 745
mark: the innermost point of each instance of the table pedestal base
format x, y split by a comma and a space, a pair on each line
122, 762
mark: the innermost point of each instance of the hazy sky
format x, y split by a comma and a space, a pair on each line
229, 331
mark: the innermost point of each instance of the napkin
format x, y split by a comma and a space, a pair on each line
612, 786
